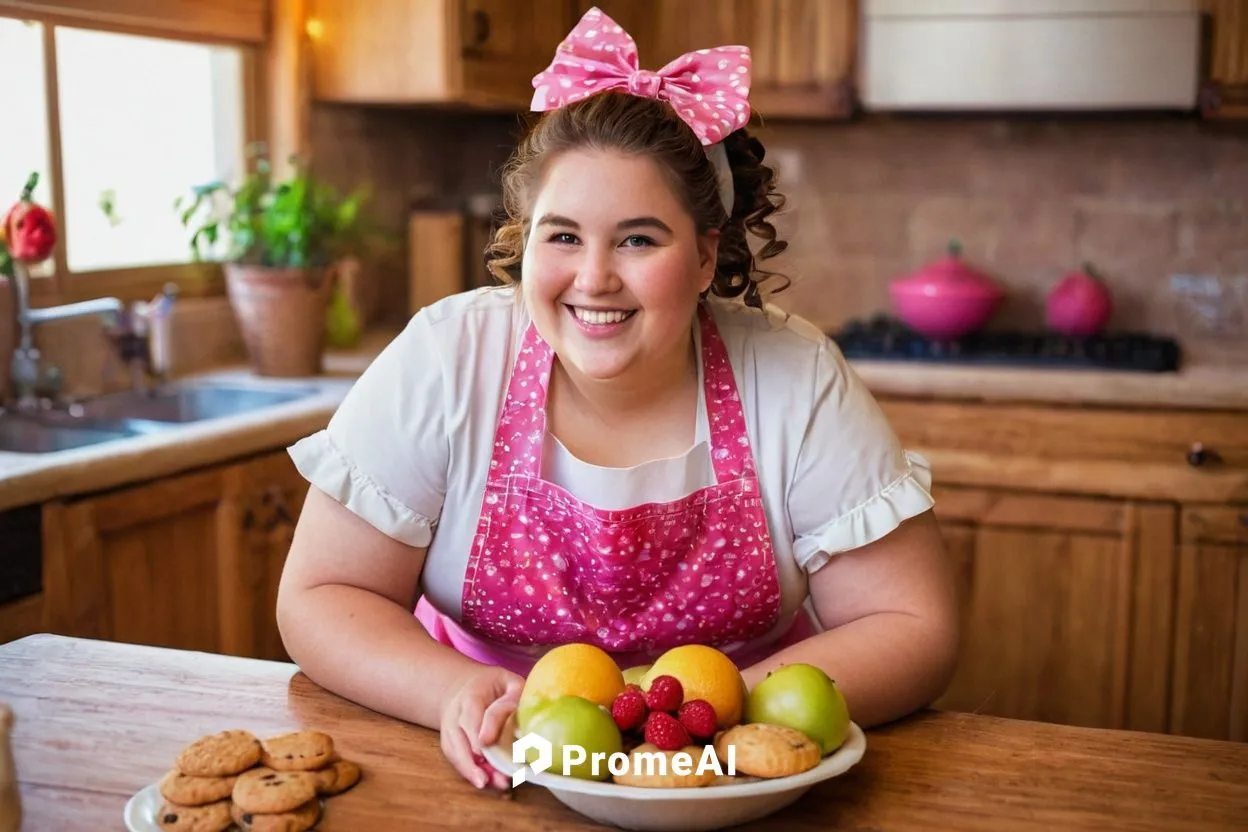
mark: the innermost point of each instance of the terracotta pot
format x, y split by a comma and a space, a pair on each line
281, 315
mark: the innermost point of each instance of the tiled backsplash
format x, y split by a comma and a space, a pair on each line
1028, 198
1145, 199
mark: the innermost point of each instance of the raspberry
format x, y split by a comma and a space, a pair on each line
698, 717
665, 694
631, 686
629, 710
665, 733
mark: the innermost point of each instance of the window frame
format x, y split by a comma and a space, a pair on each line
202, 279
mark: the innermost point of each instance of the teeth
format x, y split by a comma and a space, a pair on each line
599, 316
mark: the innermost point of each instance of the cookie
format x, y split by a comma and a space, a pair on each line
766, 750
337, 777
211, 817
298, 751
300, 820
220, 754
265, 790
185, 790
651, 772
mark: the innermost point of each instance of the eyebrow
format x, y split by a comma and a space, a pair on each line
625, 225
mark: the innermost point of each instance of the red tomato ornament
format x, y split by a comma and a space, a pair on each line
29, 229
1080, 304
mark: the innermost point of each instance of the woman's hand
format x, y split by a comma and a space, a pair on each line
473, 717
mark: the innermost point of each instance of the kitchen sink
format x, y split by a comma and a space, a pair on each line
190, 402
33, 435
129, 414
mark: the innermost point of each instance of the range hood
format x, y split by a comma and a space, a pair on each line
1000, 55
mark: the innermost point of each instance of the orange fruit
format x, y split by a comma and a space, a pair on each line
704, 673
570, 670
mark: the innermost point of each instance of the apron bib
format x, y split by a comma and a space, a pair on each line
549, 569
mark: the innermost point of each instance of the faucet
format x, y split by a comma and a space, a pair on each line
129, 329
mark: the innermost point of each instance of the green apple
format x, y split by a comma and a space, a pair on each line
802, 697
633, 675
574, 720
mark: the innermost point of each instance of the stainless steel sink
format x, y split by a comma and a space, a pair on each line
190, 402
128, 414
27, 435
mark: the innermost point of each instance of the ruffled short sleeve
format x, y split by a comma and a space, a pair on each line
385, 452
854, 482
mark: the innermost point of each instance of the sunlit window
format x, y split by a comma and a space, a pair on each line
141, 121
24, 116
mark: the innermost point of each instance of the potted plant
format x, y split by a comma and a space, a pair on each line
283, 238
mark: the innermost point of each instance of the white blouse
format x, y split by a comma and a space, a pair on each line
409, 448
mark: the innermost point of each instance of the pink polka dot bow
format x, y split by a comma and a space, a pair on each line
708, 88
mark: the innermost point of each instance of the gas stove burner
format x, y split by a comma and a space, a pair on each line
884, 338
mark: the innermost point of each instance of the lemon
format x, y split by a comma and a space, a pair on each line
570, 670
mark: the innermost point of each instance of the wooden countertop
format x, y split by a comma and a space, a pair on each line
98, 721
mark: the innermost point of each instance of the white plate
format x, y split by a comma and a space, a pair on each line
685, 809
141, 810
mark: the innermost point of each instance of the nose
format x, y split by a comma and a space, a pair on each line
596, 273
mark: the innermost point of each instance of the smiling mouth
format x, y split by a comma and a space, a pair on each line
602, 316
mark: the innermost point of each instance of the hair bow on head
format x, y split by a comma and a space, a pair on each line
708, 88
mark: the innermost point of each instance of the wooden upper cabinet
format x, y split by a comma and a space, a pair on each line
480, 53
803, 51
1225, 92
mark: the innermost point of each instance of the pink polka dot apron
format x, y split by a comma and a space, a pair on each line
547, 568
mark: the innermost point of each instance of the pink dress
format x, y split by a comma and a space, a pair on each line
547, 568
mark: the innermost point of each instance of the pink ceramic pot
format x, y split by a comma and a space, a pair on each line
946, 299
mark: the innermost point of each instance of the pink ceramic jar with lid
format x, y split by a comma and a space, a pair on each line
946, 299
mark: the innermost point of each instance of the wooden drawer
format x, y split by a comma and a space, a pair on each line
1165, 437
1184, 456
1215, 524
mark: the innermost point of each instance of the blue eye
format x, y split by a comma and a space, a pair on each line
563, 237
638, 240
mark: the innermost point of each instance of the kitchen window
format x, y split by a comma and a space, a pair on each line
119, 126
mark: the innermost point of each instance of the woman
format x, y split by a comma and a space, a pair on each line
621, 445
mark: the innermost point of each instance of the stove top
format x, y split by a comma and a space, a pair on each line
887, 339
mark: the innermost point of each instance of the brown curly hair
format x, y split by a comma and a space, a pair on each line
645, 127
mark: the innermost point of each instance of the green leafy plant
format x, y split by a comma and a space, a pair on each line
297, 222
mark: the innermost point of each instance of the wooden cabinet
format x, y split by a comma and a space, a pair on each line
803, 51
1102, 557
1211, 636
481, 53
192, 561
484, 53
1055, 592
1225, 90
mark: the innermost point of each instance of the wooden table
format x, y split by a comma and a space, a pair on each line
98, 721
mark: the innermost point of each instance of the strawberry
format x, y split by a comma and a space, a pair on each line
665, 694
666, 733
698, 717
629, 710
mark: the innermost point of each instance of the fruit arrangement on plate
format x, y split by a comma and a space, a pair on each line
686, 721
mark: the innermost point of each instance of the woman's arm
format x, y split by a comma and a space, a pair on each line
889, 612
345, 611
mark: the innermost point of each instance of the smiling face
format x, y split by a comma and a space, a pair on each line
613, 266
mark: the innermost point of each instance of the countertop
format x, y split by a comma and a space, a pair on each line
34, 478
98, 721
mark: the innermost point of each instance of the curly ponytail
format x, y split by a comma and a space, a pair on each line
645, 127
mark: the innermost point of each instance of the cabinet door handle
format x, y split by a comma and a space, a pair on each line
1198, 455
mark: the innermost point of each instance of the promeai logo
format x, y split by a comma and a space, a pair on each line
647, 763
